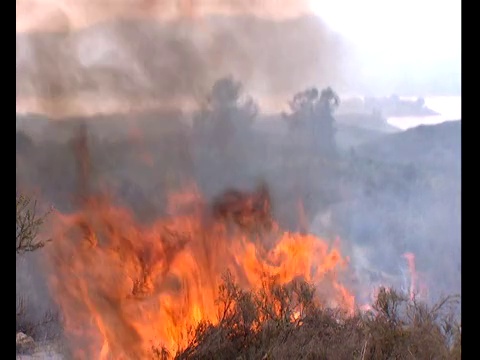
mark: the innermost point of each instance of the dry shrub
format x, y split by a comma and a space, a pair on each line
28, 224
45, 327
403, 328
289, 322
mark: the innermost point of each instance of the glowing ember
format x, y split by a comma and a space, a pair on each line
125, 287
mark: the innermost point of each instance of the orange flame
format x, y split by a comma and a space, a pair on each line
417, 287
125, 287
410, 257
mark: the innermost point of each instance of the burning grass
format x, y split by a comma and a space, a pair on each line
126, 288
223, 281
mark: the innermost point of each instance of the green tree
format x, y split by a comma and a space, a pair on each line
227, 108
311, 113
223, 135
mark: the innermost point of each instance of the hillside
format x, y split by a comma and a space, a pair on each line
386, 196
437, 146
402, 194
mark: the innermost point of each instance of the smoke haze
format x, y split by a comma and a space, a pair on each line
137, 74
78, 57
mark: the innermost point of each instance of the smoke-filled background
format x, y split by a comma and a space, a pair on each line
142, 75
77, 57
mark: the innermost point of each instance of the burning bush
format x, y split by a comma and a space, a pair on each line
247, 211
124, 287
223, 281
286, 322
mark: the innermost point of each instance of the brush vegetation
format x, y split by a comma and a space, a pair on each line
289, 322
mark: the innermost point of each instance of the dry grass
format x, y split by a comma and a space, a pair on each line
289, 322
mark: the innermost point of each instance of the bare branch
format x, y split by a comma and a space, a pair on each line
28, 224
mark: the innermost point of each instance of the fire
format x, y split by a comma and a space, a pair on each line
125, 287
410, 258
417, 287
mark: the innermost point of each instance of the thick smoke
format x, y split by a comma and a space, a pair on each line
131, 62
58, 15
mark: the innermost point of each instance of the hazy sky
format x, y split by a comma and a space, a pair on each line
418, 39
406, 47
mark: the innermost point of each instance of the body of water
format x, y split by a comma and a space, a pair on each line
448, 107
